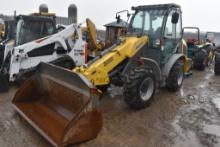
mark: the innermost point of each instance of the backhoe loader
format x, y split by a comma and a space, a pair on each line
63, 105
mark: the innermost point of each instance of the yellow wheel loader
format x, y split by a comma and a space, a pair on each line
63, 105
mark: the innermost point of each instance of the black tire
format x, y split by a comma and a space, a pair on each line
217, 64
135, 91
175, 78
4, 76
4, 82
200, 60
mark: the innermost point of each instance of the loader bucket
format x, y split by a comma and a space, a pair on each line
60, 104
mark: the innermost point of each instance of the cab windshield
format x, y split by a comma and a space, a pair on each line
32, 30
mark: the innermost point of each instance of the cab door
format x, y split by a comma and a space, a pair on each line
172, 35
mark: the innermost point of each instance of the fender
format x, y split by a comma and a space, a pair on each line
147, 61
167, 67
154, 65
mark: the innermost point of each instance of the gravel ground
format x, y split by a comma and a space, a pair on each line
189, 117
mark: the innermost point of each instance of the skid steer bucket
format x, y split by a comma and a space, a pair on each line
60, 104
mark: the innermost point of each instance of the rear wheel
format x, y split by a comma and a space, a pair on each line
175, 78
217, 64
200, 60
139, 87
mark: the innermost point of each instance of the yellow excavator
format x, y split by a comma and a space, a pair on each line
63, 105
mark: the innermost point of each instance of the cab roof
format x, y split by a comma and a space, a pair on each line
35, 18
159, 7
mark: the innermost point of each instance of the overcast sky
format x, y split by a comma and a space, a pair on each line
201, 13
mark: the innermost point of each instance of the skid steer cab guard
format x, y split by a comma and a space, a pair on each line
61, 105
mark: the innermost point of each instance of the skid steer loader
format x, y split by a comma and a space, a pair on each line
13, 27
62, 105
38, 41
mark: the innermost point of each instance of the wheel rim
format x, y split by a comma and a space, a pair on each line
180, 78
147, 88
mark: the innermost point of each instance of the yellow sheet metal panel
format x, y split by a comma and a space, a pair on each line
186, 64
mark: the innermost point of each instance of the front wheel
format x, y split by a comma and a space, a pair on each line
4, 82
175, 78
139, 87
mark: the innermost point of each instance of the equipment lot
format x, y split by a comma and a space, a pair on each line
189, 117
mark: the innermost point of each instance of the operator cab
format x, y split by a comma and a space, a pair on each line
30, 28
162, 24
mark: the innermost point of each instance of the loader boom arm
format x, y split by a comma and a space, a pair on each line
97, 72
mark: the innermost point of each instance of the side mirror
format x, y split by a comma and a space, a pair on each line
175, 18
